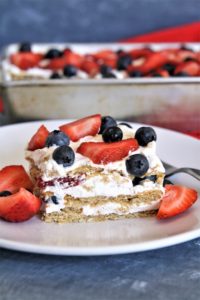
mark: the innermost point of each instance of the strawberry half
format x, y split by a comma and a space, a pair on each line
25, 60
104, 153
90, 67
83, 127
176, 200
12, 178
38, 139
19, 207
191, 68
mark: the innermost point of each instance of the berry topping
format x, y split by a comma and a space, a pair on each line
123, 62
5, 194
137, 180
64, 155
83, 127
135, 74
169, 67
176, 200
25, 60
55, 75
105, 70
38, 139
106, 122
53, 53
145, 135
57, 138
19, 207
90, 67
137, 165
126, 124
104, 153
69, 71
112, 134
109, 75
54, 199
25, 47
12, 178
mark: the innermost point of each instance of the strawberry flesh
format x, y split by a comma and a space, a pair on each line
104, 153
83, 127
19, 207
38, 139
25, 60
176, 200
12, 178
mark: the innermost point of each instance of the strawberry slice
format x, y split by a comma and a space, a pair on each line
137, 53
104, 153
19, 207
106, 57
176, 200
83, 127
56, 63
38, 139
12, 178
191, 68
90, 67
74, 59
25, 60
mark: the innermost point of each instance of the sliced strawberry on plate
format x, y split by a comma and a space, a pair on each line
25, 60
12, 178
83, 127
19, 207
137, 53
72, 58
90, 67
38, 139
56, 63
190, 68
107, 57
176, 200
104, 153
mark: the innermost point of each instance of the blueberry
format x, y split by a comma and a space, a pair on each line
5, 193
106, 122
25, 47
137, 180
135, 74
112, 134
55, 75
170, 68
109, 75
166, 181
137, 165
64, 155
104, 69
145, 135
124, 61
126, 124
57, 138
120, 52
53, 53
70, 71
182, 74
54, 199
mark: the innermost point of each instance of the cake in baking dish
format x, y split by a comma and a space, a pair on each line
95, 169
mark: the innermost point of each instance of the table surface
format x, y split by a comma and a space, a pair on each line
170, 273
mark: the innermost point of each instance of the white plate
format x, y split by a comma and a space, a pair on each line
110, 237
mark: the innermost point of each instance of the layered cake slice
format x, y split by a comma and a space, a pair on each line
94, 169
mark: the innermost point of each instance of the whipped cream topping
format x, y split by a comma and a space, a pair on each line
119, 182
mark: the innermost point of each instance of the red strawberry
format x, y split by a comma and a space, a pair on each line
38, 139
107, 57
159, 73
25, 60
83, 127
56, 63
137, 53
91, 67
176, 200
19, 207
12, 178
103, 153
72, 58
191, 68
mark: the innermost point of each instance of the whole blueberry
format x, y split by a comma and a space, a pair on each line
125, 124
70, 71
104, 69
137, 165
64, 155
145, 135
106, 122
169, 67
5, 193
112, 134
53, 53
25, 47
135, 74
57, 138
124, 61
55, 75
109, 75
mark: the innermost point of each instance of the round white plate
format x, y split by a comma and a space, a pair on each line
110, 237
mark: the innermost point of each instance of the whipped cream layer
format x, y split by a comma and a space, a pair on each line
114, 185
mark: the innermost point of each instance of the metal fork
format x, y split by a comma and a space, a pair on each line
171, 170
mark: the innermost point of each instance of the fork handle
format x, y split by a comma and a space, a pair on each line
191, 171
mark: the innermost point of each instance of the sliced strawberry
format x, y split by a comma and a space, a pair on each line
12, 178
19, 207
25, 60
176, 200
106, 57
83, 127
159, 73
191, 68
72, 58
137, 53
56, 63
38, 139
104, 153
90, 67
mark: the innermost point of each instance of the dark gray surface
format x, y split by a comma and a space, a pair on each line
171, 273
89, 20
